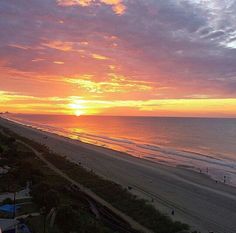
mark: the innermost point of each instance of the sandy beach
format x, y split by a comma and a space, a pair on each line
196, 199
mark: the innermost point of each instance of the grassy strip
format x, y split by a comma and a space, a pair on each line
115, 194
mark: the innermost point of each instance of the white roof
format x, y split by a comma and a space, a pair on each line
3, 171
7, 224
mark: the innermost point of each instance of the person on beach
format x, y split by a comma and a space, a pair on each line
224, 179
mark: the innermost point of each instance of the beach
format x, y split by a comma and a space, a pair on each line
195, 198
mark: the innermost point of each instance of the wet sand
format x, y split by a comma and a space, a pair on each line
196, 199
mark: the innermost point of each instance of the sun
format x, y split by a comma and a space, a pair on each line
79, 112
77, 107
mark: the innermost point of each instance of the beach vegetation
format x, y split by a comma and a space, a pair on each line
1, 149
7, 201
49, 191
118, 196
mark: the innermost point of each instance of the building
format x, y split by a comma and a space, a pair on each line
8, 225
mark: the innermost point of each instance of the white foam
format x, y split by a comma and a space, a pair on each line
217, 166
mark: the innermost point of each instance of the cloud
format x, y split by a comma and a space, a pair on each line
59, 62
162, 107
117, 5
75, 2
114, 84
177, 49
99, 57
59, 45
15, 102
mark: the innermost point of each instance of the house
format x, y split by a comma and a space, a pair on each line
9, 208
8, 225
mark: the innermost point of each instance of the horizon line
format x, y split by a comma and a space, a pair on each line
147, 116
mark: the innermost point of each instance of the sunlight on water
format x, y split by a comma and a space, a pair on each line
204, 145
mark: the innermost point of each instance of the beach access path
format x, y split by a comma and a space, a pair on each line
195, 198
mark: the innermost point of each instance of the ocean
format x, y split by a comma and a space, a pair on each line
205, 145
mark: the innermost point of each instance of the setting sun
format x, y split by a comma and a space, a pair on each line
79, 112
134, 92
77, 107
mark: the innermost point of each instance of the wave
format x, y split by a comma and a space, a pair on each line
150, 149
216, 165
104, 138
132, 145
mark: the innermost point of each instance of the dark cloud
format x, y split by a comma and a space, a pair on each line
173, 42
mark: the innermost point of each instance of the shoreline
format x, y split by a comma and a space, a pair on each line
219, 168
204, 170
100, 148
187, 191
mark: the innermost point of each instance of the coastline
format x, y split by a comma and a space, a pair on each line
195, 197
208, 156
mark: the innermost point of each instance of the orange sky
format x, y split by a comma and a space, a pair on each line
114, 57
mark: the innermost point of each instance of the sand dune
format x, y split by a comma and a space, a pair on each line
196, 199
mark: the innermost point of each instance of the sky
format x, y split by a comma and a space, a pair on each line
118, 57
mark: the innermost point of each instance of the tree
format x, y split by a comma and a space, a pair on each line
45, 196
51, 199
38, 192
10, 140
27, 173
67, 219
7, 201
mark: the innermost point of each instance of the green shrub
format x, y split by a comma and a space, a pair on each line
45, 196
67, 219
7, 201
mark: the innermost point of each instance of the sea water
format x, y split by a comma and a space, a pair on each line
206, 145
